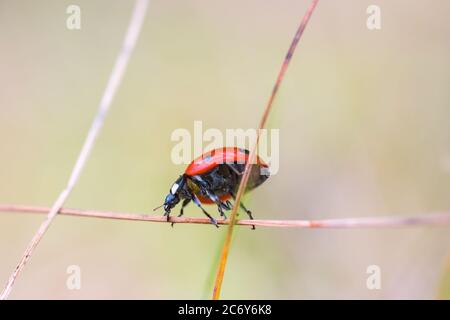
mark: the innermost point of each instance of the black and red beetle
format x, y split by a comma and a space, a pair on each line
214, 178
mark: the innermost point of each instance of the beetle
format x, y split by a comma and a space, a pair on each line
214, 178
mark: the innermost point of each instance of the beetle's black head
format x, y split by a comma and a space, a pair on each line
170, 202
173, 197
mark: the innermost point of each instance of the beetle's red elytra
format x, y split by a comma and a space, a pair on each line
213, 178
211, 159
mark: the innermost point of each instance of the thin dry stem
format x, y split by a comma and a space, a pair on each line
437, 219
251, 158
115, 78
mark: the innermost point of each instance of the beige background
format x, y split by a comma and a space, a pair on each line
364, 128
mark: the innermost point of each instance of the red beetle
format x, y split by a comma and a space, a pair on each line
213, 178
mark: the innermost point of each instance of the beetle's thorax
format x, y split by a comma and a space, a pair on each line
193, 187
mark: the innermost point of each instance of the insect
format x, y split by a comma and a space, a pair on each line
214, 178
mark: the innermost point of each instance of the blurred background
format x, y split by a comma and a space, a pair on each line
364, 131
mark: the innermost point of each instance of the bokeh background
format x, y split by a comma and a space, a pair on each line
364, 129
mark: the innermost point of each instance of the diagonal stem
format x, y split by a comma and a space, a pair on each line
115, 78
244, 181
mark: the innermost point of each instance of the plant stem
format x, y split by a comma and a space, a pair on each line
115, 78
438, 219
243, 184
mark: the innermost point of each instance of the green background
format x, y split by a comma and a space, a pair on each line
364, 131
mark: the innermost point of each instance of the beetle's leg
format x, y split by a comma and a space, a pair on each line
203, 185
229, 205
183, 204
246, 210
197, 202
223, 214
249, 213
167, 215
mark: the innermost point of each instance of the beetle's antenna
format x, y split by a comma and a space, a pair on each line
158, 207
